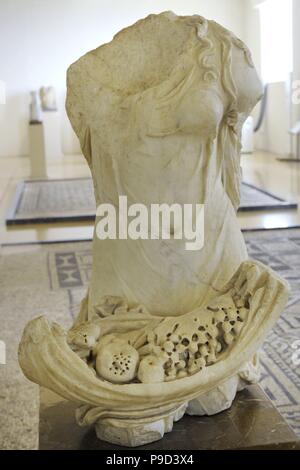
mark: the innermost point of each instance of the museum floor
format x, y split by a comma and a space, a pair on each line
49, 291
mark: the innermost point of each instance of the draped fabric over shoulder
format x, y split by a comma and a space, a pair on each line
173, 137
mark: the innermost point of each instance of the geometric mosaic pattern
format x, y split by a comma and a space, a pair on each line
280, 361
63, 199
73, 199
258, 199
71, 271
280, 249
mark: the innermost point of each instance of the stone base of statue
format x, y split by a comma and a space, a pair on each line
246, 425
139, 432
133, 433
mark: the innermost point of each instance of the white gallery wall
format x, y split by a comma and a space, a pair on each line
281, 113
39, 39
296, 55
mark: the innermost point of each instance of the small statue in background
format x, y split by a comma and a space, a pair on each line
48, 98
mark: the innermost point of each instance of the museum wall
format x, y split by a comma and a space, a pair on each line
39, 39
273, 135
296, 33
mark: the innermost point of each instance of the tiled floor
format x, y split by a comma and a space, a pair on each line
261, 169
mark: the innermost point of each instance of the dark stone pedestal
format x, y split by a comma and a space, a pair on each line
251, 423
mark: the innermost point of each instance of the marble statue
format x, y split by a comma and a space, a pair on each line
48, 99
162, 331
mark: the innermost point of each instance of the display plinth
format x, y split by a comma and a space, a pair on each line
52, 135
251, 423
37, 151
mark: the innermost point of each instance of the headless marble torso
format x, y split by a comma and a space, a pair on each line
158, 112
